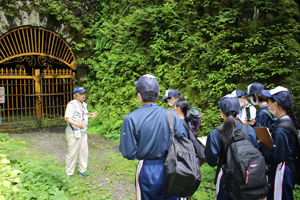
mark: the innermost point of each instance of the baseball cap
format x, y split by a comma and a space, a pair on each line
281, 95
254, 88
147, 85
238, 93
229, 103
170, 93
79, 90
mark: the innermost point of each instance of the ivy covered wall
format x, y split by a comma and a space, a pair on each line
203, 48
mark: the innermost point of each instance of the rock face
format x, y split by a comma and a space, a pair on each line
57, 17
42, 14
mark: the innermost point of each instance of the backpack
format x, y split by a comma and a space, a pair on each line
245, 169
196, 120
199, 149
182, 165
270, 115
293, 129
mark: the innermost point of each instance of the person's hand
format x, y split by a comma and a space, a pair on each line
80, 125
92, 115
252, 122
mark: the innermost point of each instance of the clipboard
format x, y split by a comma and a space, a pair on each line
202, 140
263, 134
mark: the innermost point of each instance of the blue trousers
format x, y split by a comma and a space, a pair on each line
150, 180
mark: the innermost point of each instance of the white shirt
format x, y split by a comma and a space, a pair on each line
75, 110
242, 115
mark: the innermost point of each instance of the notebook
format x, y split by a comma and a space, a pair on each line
202, 140
264, 135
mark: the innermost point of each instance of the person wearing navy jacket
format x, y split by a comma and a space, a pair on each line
145, 135
257, 98
216, 142
284, 145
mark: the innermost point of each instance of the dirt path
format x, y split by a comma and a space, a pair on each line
51, 142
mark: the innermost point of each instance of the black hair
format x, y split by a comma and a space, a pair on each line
184, 106
260, 97
149, 97
228, 130
181, 97
290, 113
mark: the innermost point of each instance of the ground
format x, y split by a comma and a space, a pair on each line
51, 142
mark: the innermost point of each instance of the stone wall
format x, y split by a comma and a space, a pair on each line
40, 13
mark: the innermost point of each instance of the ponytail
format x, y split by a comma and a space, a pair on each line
290, 113
184, 106
228, 130
181, 97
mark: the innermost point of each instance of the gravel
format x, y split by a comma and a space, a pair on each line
52, 142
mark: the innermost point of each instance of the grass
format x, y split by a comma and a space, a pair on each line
32, 175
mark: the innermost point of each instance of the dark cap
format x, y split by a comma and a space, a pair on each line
147, 85
79, 90
281, 95
238, 93
229, 103
254, 88
171, 93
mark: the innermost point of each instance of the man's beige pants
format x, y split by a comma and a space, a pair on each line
77, 148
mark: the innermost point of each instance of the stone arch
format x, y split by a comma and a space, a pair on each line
46, 45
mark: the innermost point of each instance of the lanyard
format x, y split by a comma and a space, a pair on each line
277, 121
82, 109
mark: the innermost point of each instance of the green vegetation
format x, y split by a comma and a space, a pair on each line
25, 174
204, 49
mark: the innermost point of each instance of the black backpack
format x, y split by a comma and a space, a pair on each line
182, 166
199, 149
196, 120
245, 169
293, 129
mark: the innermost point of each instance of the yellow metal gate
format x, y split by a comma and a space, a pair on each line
35, 101
36, 78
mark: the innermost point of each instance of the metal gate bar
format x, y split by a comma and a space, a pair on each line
38, 100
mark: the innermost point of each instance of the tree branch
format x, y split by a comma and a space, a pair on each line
126, 8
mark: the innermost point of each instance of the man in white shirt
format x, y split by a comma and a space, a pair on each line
248, 111
77, 116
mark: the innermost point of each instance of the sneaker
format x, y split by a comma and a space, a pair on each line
86, 173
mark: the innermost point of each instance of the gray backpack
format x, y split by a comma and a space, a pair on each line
182, 166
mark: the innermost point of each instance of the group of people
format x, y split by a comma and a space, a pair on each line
145, 135
275, 107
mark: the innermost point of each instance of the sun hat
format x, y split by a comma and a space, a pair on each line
281, 95
147, 85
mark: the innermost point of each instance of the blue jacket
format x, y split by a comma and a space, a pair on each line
212, 153
213, 147
262, 119
284, 147
145, 133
